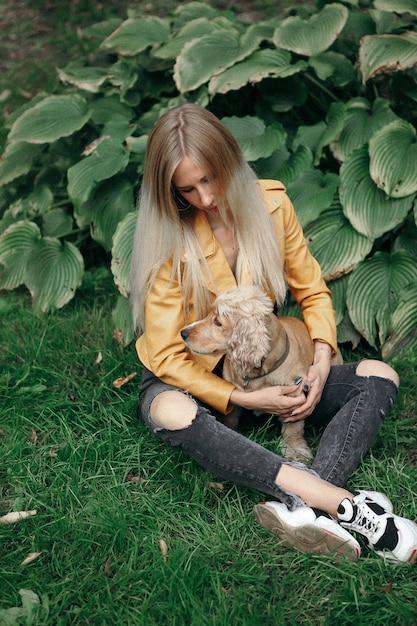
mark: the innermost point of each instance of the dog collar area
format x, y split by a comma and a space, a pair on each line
275, 365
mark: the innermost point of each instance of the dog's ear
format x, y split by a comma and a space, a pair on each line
250, 343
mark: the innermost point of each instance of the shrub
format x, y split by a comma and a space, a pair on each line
324, 100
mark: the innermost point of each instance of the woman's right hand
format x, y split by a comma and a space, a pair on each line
274, 400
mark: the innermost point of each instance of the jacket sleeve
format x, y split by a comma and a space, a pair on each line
163, 351
304, 277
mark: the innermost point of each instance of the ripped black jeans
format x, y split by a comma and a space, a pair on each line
353, 407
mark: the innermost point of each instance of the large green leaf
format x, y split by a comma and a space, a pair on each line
407, 235
16, 245
309, 37
106, 159
393, 154
136, 34
362, 120
399, 6
185, 12
254, 138
17, 160
312, 192
261, 64
374, 290
368, 208
53, 273
37, 202
336, 245
381, 54
404, 325
50, 119
122, 252
104, 110
87, 78
100, 30
51, 270
295, 163
191, 30
319, 135
211, 54
108, 206
346, 332
57, 223
122, 320
335, 66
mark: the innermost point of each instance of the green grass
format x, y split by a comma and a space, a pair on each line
107, 492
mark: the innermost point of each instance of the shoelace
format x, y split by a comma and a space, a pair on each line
367, 522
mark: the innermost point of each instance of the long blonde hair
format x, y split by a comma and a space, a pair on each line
163, 232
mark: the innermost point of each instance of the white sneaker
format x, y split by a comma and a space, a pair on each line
307, 530
390, 536
378, 497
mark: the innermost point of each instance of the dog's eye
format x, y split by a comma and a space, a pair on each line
216, 321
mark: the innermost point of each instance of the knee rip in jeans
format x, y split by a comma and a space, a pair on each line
175, 412
378, 369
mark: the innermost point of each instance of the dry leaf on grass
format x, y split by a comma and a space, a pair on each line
219, 487
119, 382
16, 516
136, 480
118, 335
107, 568
99, 358
30, 557
33, 437
164, 549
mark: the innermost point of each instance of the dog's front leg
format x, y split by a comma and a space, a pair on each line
231, 419
293, 445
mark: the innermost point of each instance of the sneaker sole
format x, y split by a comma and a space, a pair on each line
307, 538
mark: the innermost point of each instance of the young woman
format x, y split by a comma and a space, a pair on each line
205, 224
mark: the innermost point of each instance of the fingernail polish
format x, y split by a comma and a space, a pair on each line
306, 387
298, 380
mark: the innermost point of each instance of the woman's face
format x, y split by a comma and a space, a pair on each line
194, 185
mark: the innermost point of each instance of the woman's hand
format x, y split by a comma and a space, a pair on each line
276, 400
316, 379
273, 400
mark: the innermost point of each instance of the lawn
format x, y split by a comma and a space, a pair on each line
131, 532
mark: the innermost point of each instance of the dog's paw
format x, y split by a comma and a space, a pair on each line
296, 451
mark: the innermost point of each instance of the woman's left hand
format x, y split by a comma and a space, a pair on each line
314, 384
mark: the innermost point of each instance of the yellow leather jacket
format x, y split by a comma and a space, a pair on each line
161, 348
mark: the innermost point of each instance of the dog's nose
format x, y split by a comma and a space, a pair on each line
184, 334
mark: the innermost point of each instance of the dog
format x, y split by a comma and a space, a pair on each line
260, 348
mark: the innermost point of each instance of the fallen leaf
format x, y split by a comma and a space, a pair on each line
164, 549
16, 516
30, 557
219, 487
33, 437
52, 453
134, 479
119, 382
107, 568
387, 588
118, 335
98, 359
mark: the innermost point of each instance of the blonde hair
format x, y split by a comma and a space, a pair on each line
163, 232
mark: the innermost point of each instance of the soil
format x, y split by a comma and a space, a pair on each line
38, 35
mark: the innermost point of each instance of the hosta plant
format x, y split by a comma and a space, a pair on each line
323, 99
